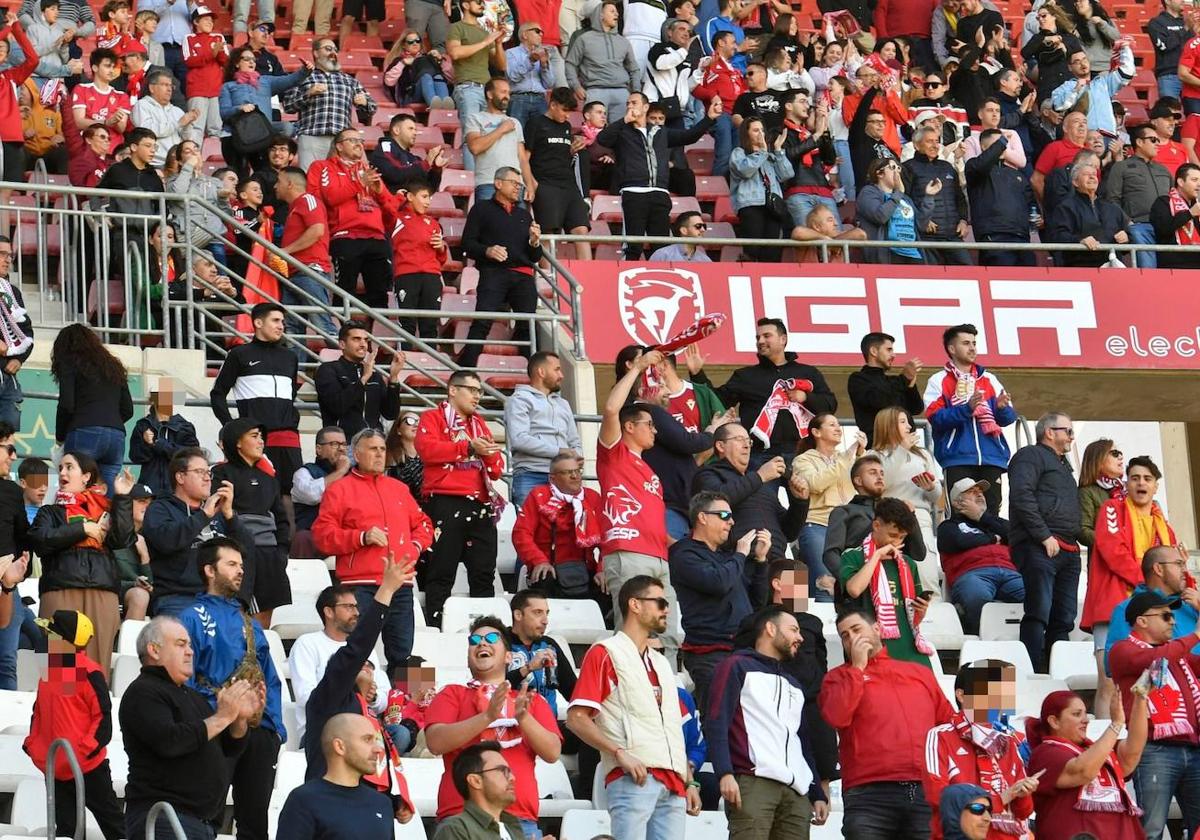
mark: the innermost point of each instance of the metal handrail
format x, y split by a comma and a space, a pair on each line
77, 777
159, 809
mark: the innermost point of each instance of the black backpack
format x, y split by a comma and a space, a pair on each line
250, 131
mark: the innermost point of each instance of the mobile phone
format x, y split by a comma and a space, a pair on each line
926, 595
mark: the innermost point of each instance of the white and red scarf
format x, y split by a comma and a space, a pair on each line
504, 729
885, 604
1168, 708
991, 746
12, 314
1106, 792
964, 387
779, 401
651, 385
587, 530
471, 427
1188, 234
1115, 487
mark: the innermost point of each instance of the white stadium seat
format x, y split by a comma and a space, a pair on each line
1009, 651
127, 635
460, 611
1001, 622
579, 621
554, 789
707, 825
291, 621
1075, 664
125, 670
423, 776
307, 575
584, 825
942, 626
438, 649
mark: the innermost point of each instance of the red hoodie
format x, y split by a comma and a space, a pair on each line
11, 128
204, 66
410, 232
721, 79
354, 213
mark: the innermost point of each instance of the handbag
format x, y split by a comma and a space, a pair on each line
250, 131
571, 577
774, 202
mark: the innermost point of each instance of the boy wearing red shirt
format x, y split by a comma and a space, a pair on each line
205, 53
461, 462
98, 102
418, 253
487, 709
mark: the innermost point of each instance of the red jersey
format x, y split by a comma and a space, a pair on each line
456, 703
684, 408
410, 233
634, 517
1172, 155
1191, 129
597, 679
98, 106
303, 213
204, 76
1059, 153
1189, 59
354, 213
12, 129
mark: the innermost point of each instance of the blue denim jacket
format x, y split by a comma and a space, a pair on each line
236, 94
746, 187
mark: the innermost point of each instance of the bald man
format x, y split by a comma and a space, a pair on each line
338, 806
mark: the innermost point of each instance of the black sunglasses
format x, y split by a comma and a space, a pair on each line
662, 602
412, 40
723, 515
933, 84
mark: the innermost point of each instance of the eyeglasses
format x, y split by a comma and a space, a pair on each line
6, 255
1070, 432
649, 423
352, 605
474, 389
723, 515
1117, 453
476, 638
1176, 115
205, 472
340, 444
510, 181
932, 85
1166, 616
358, 141
979, 808
503, 769
662, 602
697, 226
12, 450
576, 473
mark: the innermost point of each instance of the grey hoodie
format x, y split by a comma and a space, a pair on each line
537, 426
205, 225
597, 58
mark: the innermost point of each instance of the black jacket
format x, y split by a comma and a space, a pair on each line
1043, 496
488, 224
1052, 65
83, 401
14, 524
673, 457
849, 525
749, 387
122, 177
1168, 34
1166, 224
335, 693
947, 208
1078, 217
953, 539
716, 590
398, 166
809, 158
872, 390
265, 377
66, 564
346, 402
640, 163
169, 438
173, 532
171, 757
755, 504
863, 149
999, 196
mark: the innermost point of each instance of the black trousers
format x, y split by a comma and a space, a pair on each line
242, 164
497, 291
991, 475
98, 797
371, 258
252, 781
645, 214
466, 534
419, 291
886, 811
193, 827
947, 256
1006, 258
758, 223
701, 667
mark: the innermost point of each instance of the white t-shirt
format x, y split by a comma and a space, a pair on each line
310, 654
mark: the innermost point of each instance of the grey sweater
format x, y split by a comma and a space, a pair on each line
597, 58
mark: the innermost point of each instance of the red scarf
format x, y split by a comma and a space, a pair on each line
651, 385
505, 728
247, 77
885, 605
764, 424
1168, 709
469, 428
1104, 793
587, 528
1114, 486
381, 779
88, 506
964, 386
1186, 235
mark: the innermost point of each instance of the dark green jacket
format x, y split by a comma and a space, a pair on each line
473, 824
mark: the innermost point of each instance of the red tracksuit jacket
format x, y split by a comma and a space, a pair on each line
354, 213
410, 232
204, 66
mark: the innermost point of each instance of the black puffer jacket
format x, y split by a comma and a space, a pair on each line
66, 564
809, 156
945, 209
635, 155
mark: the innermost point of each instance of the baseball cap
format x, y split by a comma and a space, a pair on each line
132, 46
201, 11
529, 24
1161, 109
265, 25
1143, 602
141, 491
70, 626
964, 484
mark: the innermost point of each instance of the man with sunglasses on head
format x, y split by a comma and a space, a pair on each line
530, 74
488, 709
626, 705
690, 225
325, 101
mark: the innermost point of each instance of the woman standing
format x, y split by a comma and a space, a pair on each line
1051, 48
75, 538
184, 173
88, 166
244, 92
756, 176
403, 462
1083, 786
911, 475
93, 400
827, 471
1096, 30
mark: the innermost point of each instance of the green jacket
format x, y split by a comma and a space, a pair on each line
1090, 500
708, 402
472, 823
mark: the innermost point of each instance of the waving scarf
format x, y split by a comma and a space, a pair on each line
1168, 709
88, 506
1106, 792
964, 387
764, 424
991, 745
885, 605
587, 530
469, 428
651, 385
1186, 235
505, 728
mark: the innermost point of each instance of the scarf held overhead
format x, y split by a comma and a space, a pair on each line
651, 385
885, 604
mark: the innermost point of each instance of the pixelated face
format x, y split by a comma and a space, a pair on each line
420, 683
793, 592
990, 697
34, 488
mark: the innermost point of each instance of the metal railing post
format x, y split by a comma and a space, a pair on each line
163, 809
51, 820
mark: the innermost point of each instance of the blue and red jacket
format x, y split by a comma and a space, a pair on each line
958, 440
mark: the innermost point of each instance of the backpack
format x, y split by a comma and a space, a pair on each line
250, 131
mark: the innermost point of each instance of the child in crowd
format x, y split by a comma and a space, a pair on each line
113, 31
408, 702
205, 53
158, 436
133, 562
34, 477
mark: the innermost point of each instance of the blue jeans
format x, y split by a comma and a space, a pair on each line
724, 134
171, 604
106, 445
1142, 233
1051, 596
523, 483
645, 812
845, 167
977, 587
1170, 85
321, 320
219, 253
530, 827
469, 99
811, 543
10, 642
801, 204
11, 397
429, 88
398, 624
1166, 771
523, 107
677, 524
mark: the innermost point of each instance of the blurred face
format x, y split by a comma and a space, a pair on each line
608, 16
867, 76
269, 328
531, 622
799, 107
853, 627
225, 577
250, 446
325, 55
769, 341
349, 145
757, 77
408, 427
140, 506
1080, 65
499, 96
726, 47
933, 86
792, 591
1047, 21
6, 257
70, 477
371, 455
532, 38
869, 480
714, 523
888, 51
1075, 128
680, 33
50, 14
1095, 141
465, 397
343, 617
640, 430
228, 179
259, 38
656, 117
1189, 184
355, 345
636, 107
420, 200
736, 448
1071, 725
1141, 486
487, 658
567, 476
195, 482
98, 142
174, 655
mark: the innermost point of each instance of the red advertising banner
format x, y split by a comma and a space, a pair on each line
1085, 318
